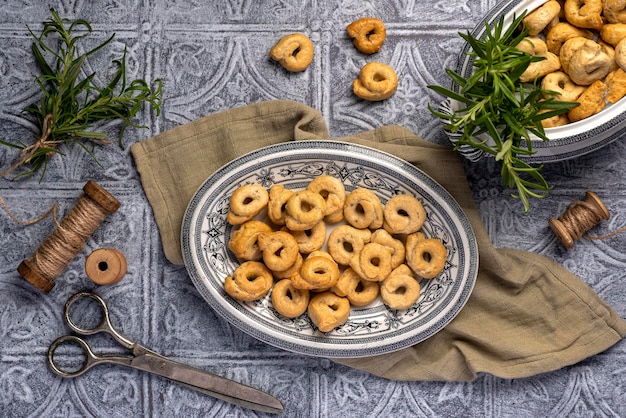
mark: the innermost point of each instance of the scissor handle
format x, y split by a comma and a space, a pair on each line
104, 325
90, 359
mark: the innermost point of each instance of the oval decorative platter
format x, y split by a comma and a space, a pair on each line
565, 142
370, 330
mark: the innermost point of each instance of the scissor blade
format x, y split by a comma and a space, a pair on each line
208, 383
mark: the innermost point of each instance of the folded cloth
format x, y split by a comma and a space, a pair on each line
526, 315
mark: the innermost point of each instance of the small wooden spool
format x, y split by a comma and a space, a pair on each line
98, 197
105, 266
592, 203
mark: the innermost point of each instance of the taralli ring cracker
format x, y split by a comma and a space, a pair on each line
294, 52
318, 273
373, 263
346, 241
250, 281
328, 311
400, 290
616, 85
360, 292
333, 192
363, 209
425, 256
247, 202
584, 13
404, 214
591, 102
280, 249
288, 300
276, 206
380, 236
244, 241
310, 240
559, 82
537, 47
376, 82
304, 210
369, 34
537, 20
615, 11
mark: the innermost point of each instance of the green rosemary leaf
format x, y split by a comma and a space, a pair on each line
84, 85
10, 144
78, 22
108, 90
89, 152
477, 48
506, 148
41, 61
102, 46
456, 78
449, 93
493, 132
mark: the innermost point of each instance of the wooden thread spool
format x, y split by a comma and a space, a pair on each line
105, 266
579, 218
59, 248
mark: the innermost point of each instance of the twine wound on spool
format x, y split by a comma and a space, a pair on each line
579, 217
59, 248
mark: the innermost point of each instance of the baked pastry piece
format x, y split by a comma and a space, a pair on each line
294, 52
369, 34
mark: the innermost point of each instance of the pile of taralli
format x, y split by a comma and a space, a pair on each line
372, 249
376, 81
584, 46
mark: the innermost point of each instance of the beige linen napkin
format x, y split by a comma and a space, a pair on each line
526, 315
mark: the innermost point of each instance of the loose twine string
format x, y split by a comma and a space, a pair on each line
52, 211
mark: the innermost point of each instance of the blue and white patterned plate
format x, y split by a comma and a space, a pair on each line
370, 330
565, 142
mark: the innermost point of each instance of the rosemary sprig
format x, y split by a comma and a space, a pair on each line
72, 107
500, 112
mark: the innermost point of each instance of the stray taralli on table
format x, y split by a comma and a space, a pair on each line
294, 52
376, 81
369, 34
366, 255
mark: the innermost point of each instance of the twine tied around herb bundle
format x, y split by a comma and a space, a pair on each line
28, 152
43, 141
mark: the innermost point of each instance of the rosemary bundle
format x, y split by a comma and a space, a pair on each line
501, 114
72, 107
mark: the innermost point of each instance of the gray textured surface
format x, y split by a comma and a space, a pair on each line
212, 56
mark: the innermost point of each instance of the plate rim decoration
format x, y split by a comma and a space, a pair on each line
565, 142
372, 330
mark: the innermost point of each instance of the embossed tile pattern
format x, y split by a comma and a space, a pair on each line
212, 56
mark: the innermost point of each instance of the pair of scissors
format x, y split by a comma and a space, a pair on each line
147, 360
